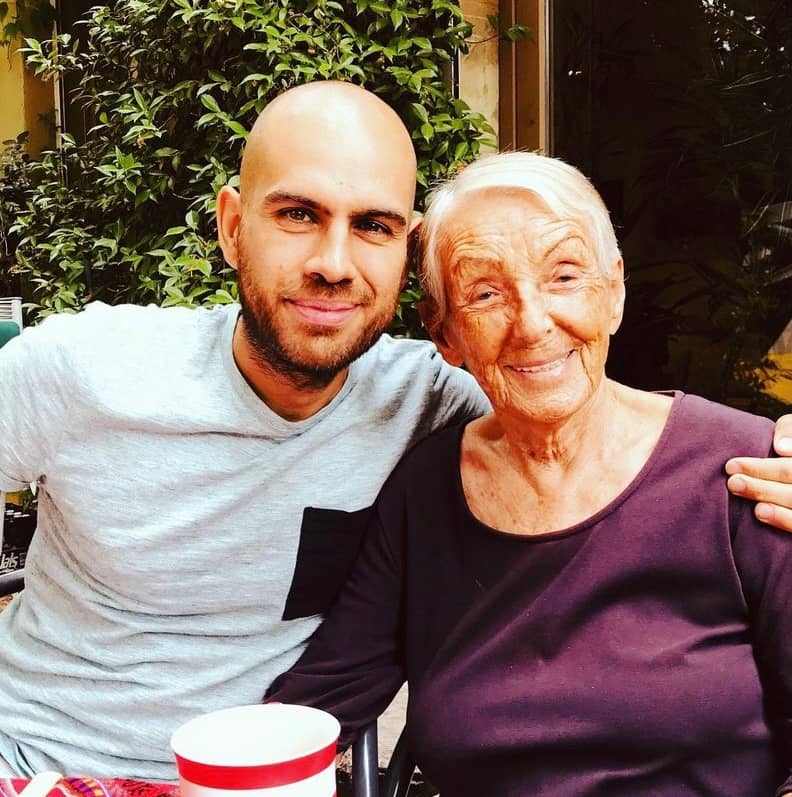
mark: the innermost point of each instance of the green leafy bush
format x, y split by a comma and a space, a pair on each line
169, 88
14, 188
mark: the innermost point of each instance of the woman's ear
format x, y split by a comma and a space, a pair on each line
229, 215
413, 259
616, 279
435, 326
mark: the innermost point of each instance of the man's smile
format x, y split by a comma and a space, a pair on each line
323, 312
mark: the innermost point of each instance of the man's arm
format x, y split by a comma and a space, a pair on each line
37, 398
768, 481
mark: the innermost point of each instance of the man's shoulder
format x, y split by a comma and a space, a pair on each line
405, 360
399, 363
116, 353
121, 329
388, 348
98, 316
409, 379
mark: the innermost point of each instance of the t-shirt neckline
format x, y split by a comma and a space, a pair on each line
274, 424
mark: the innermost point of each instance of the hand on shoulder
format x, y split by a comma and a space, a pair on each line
767, 481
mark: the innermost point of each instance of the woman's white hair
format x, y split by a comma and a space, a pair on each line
561, 187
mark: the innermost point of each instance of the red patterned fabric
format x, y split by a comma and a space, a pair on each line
89, 787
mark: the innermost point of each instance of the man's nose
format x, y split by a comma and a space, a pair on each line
332, 260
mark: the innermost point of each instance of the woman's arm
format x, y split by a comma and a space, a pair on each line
353, 666
763, 557
768, 481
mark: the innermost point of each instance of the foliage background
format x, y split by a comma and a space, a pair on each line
169, 88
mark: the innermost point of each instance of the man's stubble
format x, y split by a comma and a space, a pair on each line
305, 368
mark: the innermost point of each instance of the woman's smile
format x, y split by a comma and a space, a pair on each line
547, 367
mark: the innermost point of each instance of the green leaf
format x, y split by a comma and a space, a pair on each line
237, 128
420, 112
208, 101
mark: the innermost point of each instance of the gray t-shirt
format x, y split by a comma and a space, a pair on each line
164, 578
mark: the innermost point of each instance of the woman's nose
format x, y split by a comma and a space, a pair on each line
532, 318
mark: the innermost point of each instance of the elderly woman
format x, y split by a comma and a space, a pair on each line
578, 605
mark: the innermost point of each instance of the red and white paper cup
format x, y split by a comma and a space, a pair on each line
271, 750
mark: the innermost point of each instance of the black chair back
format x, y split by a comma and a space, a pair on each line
365, 777
12, 582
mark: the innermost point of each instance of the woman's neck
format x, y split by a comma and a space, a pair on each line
526, 477
566, 443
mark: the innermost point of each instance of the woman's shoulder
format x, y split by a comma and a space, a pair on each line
722, 429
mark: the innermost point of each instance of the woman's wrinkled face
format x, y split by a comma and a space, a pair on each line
530, 312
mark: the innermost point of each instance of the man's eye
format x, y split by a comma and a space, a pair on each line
373, 228
297, 214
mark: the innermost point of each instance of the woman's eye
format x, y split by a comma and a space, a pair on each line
565, 276
484, 295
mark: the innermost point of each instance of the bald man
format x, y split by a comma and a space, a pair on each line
204, 475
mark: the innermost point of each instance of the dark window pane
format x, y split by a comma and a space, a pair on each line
681, 113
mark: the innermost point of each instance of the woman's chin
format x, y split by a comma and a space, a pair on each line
551, 395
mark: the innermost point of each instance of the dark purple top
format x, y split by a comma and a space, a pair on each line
645, 651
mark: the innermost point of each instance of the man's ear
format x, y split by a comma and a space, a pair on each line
416, 220
616, 279
229, 214
430, 318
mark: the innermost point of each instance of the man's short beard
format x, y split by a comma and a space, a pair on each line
269, 349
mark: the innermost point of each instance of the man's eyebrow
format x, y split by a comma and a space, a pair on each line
283, 197
393, 216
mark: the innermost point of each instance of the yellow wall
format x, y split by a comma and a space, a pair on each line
779, 382
508, 81
478, 74
23, 98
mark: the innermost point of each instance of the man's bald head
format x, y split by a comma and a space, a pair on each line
318, 234
327, 115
